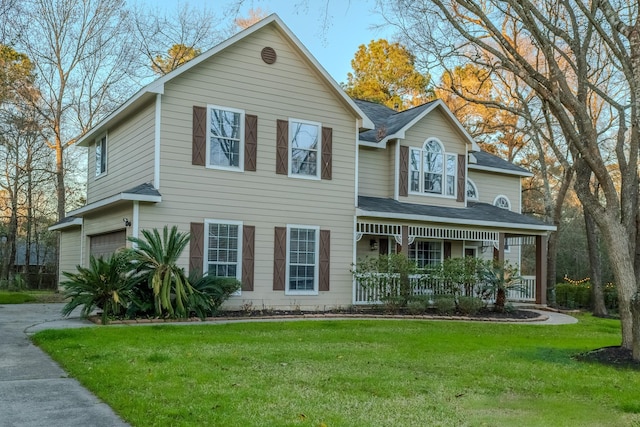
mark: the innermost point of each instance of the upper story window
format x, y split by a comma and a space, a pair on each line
502, 202
304, 149
432, 170
225, 145
472, 190
101, 155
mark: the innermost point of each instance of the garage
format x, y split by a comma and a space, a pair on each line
103, 245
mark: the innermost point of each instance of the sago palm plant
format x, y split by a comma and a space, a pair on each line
106, 284
498, 277
155, 257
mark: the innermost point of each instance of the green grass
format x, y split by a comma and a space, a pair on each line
352, 373
10, 297
30, 296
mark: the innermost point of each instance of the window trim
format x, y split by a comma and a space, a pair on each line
103, 155
475, 187
441, 242
290, 173
443, 186
499, 196
205, 257
316, 281
208, 165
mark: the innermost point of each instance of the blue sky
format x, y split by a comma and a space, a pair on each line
349, 25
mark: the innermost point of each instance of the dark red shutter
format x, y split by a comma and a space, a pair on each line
199, 136
325, 260
327, 146
383, 245
462, 178
403, 184
279, 258
447, 250
282, 147
196, 247
248, 256
250, 142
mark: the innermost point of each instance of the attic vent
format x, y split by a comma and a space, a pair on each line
268, 55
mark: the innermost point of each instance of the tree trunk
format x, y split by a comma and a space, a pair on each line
595, 266
60, 188
552, 254
501, 299
635, 310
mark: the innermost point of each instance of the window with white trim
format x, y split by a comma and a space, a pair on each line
426, 253
101, 155
472, 190
304, 148
223, 248
432, 170
502, 202
225, 142
302, 259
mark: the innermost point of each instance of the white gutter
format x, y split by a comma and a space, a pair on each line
156, 151
444, 220
73, 223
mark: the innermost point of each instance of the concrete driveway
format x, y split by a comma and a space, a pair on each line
34, 390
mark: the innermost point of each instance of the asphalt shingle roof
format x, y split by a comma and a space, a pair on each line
473, 212
387, 121
489, 160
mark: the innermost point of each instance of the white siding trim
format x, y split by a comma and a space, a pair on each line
156, 152
357, 163
73, 223
113, 199
496, 170
396, 173
135, 226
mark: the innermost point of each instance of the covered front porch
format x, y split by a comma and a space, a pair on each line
428, 240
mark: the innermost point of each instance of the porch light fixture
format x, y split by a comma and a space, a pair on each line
126, 221
373, 244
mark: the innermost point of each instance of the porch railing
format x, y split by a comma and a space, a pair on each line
372, 287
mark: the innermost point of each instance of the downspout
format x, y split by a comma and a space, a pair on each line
355, 217
135, 226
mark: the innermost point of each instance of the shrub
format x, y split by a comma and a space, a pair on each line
416, 306
445, 304
469, 305
209, 293
387, 277
573, 295
105, 284
156, 258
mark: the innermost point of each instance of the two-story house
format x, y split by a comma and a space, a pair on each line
284, 182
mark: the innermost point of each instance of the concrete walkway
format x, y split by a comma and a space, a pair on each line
35, 391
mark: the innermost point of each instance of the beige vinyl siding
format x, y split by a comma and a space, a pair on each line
437, 125
105, 221
238, 78
490, 185
130, 154
70, 251
374, 173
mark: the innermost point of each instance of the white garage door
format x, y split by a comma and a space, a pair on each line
103, 245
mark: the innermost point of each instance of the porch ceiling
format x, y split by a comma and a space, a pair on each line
478, 214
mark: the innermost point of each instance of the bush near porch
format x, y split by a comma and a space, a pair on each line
458, 284
577, 295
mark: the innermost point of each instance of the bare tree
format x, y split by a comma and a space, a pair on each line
569, 40
166, 41
82, 53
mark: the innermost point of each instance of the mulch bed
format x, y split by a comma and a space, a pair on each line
365, 313
613, 356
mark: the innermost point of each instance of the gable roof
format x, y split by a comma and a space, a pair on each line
147, 93
391, 124
478, 214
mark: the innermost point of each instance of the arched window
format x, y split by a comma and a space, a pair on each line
472, 191
432, 170
433, 165
502, 202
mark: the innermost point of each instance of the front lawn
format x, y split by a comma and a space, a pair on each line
30, 296
11, 297
352, 373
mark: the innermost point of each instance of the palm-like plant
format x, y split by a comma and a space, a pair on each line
211, 292
497, 278
155, 257
105, 284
